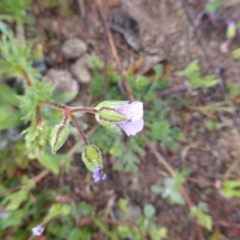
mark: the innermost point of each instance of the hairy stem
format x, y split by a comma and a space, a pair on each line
26, 78
78, 127
84, 109
55, 105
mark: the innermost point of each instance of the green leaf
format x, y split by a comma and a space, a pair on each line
203, 219
203, 82
191, 68
160, 130
65, 97
156, 189
176, 197
85, 209
9, 118
231, 188
50, 162
15, 199
149, 211
123, 204
56, 210
213, 5
7, 95
4, 28
104, 229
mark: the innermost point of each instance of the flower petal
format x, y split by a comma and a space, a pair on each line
132, 128
38, 230
97, 174
133, 111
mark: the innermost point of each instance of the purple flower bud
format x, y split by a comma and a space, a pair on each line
134, 113
98, 174
38, 230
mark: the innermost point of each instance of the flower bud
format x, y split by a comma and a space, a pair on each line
107, 111
231, 29
59, 136
92, 157
117, 115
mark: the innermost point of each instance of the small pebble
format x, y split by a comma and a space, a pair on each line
73, 48
80, 71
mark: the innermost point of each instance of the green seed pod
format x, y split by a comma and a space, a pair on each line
58, 137
92, 157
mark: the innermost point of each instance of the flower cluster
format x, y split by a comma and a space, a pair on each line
117, 116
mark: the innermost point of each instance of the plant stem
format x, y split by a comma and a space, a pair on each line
26, 78
55, 105
39, 119
78, 127
20, 29
84, 109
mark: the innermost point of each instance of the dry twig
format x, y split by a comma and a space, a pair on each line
114, 51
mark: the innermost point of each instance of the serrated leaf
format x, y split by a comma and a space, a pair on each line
7, 95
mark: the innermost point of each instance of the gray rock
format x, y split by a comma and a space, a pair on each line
73, 48
80, 70
63, 81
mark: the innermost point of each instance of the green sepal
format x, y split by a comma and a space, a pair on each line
109, 125
58, 136
111, 115
110, 104
92, 157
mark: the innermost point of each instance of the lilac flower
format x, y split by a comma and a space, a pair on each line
134, 113
38, 230
98, 174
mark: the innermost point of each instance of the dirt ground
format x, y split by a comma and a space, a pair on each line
150, 32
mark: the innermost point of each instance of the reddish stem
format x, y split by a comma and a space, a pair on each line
55, 105
84, 109
39, 116
26, 78
78, 127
